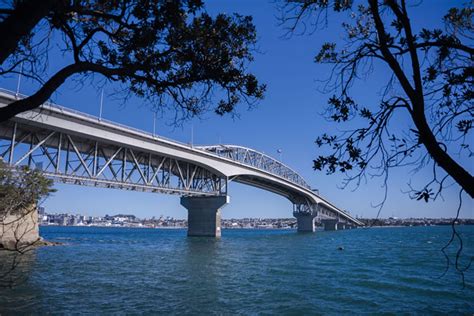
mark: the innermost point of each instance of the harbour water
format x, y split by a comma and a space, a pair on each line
121, 270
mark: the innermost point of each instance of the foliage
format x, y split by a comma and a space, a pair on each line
170, 53
429, 86
21, 188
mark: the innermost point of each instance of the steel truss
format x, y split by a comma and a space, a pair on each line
305, 207
85, 161
319, 212
256, 159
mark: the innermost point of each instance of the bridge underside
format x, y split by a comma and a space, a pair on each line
75, 159
308, 213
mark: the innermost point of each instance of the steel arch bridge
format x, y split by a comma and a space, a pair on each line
77, 148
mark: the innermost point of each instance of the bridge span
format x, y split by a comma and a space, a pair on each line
77, 148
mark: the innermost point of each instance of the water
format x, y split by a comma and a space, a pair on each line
112, 270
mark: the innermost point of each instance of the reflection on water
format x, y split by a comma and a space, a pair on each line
15, 272
199, 260
15, 267
109, 270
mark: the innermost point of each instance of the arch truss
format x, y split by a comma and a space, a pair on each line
258, 160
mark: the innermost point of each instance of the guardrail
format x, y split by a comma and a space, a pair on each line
93, 117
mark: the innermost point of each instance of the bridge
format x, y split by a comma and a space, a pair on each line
77, 148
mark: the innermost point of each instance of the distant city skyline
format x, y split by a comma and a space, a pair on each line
130, 220
284, 125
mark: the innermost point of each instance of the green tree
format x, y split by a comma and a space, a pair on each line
170, 53
21, 190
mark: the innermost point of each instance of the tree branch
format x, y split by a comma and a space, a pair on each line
12, 31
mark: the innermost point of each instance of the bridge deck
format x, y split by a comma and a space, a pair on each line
114, 155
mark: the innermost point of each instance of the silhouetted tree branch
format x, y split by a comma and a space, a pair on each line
429, 87
171, 53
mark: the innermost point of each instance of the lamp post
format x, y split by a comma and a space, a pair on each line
280, 152
154, 124
101, 104
19, 81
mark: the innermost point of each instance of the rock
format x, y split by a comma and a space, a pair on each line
19, 230
43, 242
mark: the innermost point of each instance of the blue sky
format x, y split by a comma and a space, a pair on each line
287, 119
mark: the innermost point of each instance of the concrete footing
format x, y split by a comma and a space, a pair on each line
305, 222
204, 214
341, 226
330, 224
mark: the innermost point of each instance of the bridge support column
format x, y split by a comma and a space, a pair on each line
330, 224
305, 222
341, 226
204, 214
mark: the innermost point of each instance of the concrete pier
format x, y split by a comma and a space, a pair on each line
341, 226
204, 214
305, 222
330, 224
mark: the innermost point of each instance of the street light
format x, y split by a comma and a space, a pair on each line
154, 123
19, 81
101, 104
279, 151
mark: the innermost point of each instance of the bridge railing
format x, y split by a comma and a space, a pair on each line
239, 154
257, 159
92, 117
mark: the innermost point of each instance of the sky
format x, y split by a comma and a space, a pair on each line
289, 119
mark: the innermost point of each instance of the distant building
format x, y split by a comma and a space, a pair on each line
40, 211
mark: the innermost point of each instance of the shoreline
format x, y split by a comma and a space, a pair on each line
318, 228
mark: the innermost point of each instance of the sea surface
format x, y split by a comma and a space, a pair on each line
150, 271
